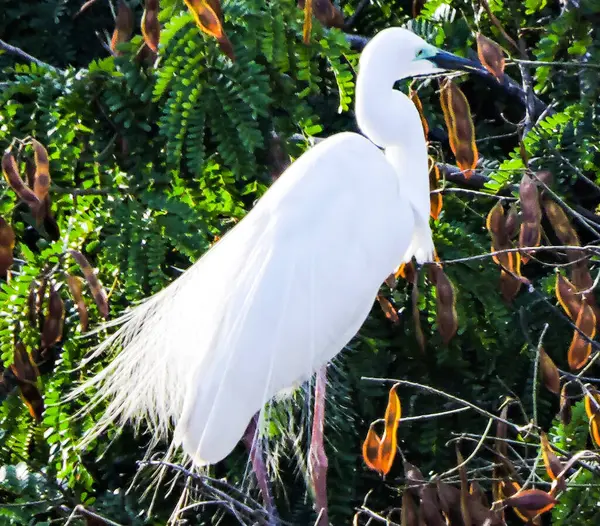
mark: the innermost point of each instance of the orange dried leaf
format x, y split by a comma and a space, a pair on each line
370, 449
435, 199
491, 56
205, 17
389, 442
581, 349
123, 26
550, 374
461, 130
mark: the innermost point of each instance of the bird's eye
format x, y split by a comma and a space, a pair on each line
421, 53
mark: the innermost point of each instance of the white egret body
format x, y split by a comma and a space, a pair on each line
289, 286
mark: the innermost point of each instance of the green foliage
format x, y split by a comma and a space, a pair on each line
152, 159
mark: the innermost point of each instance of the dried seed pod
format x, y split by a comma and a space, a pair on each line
595, 429
11, 173
53, 324
414, 97
206, 16
550, 374
491, 56
567, 296
388, 309
417, 317
581, 349
512, 222
151, 25
531, 230
446, 316
389, 442
325, 12
435, 199
26, 373
76, 288
409, 511
461, 131
7, 244
307, 27
591, 402
581, 277
41, 181
565, 412
93, 282
532, 500
370, 449
123, 27
554, 466
561, 225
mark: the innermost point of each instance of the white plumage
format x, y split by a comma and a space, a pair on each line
290, 285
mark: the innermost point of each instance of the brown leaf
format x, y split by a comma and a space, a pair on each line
430, 505
461, 130
23, 367
151, 25
550, 374
123, 27
465, 510
389, 442
388, 309
417, 317
12, 176
75, 286
413, 474
370, 449
491, 56
208, 17
581, 277
93, 282
580, 348
33, 400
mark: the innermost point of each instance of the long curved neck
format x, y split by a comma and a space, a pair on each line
391, 121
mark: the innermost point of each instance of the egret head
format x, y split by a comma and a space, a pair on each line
398, 53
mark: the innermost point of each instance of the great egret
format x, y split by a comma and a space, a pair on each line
287, 288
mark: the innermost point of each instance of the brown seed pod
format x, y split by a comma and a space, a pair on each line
461, 130
7, 244
26, 373
550, 374
491, 56
41, 181
370, 449
531, 230
388, 309
565, 412
151, 25
414, 97
76, 288
123, 27
11, 173
206, 16
94, 284
447, 319
435, 199
580, 348
53, 324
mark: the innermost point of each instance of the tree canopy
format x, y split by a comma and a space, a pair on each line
136, 133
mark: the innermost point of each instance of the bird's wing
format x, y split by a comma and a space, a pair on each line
277, 297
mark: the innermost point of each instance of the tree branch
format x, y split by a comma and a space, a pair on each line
12, 50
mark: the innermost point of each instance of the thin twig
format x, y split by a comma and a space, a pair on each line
594, 250
18, 52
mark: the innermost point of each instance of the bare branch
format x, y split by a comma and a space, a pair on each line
18, 52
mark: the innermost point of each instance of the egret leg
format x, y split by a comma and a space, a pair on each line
259, 467
317, 459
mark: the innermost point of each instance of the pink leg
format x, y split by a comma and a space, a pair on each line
259, 467
317, 458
